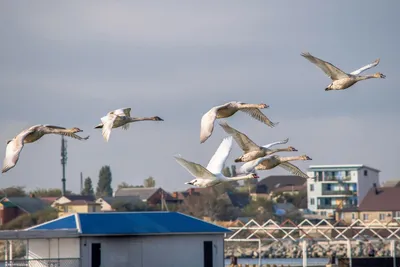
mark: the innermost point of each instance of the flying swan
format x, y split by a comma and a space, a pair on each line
212, 174
228, 109
120, 118
340, 79
30, 135
251, 150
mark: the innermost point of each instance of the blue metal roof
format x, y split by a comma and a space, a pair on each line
67, 222
132, 223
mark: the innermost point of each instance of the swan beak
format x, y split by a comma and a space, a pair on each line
326, 89
383, 76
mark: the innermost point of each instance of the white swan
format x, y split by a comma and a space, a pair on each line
270, 162
212, 174
228, 109
30, 135
251, 150
120, 118
340, 79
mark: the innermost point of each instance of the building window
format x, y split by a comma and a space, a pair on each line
347, 174
312, 201
323, 213
365, 172
311, 187
328, 187
365, 217
353, 216
381, 216
397, 214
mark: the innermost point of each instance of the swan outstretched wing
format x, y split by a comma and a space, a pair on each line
241, 139
123, 112
217, 162
195, 169
366, 67
13, 149
333, 72
107, 126
293, 169
276, 143
51, 129
250, 166
258, 115
207, 124
126, 126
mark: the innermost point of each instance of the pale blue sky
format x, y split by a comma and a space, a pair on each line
69, 63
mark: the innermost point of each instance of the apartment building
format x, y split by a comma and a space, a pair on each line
338, 186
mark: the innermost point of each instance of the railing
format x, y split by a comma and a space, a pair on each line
336, 178
308, 240
338, 192
65, 262
333, 207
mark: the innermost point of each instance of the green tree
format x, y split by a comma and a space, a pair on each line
128, 206
149, 182
88, 188
126, 185
13, 191
260, 209
49, 192
210, 204
104, 184
27, 220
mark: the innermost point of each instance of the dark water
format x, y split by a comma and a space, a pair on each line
284, 262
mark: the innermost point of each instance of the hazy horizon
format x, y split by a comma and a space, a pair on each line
68, 64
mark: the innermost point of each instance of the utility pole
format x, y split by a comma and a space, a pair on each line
81, 182
63, 162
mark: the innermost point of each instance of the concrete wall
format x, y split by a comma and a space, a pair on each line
166, 251
53, 248
365, 182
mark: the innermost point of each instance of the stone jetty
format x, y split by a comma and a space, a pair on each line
289, 249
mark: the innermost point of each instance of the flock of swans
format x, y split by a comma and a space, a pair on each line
254, 157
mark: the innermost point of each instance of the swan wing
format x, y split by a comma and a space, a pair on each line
293, 169
14, 148
195, 169
126, 126
366, 67
207, 124
123, 112
217, 162
250, 166
333, 72
48, 129
258, 115
241, 139
276, 143
107, 126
